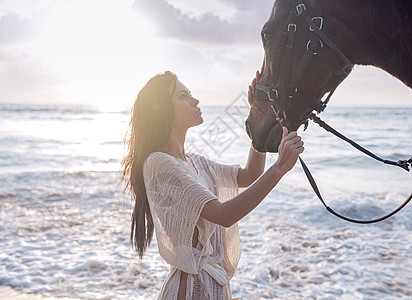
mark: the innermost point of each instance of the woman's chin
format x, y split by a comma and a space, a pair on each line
201, 120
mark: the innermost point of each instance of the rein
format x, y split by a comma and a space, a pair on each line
404, 164
279, 96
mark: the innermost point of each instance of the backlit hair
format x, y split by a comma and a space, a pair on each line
149, 130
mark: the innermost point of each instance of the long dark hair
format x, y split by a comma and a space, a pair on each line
149, 130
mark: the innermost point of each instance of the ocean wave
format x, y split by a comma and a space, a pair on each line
61, 109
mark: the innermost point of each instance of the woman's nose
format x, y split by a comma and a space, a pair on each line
195, 101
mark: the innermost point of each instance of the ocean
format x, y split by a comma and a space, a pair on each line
64, 222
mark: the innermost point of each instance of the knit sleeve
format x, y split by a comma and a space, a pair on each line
225, 176
176, 200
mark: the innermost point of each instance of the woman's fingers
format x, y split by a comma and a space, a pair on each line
295, 140
253, 84
284, 132
299, 144
252, 88
298, 147
250, 95
292, 141
289, 135
289, 149
255, 80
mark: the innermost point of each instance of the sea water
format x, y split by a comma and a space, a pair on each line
64, 222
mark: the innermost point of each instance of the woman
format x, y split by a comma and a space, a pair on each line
191, 203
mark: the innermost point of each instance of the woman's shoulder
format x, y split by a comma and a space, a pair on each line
154, 156
159, 162
160, 159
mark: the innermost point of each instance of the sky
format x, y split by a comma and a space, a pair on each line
102, 52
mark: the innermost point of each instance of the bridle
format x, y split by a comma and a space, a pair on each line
290, 89
314, 47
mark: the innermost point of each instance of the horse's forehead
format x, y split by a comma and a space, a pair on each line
281, 5
272, 13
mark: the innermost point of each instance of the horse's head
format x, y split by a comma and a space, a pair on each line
300, 66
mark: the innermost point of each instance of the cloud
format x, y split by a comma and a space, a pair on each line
22, 21
14, 29
246, 4
171, 22
24, 8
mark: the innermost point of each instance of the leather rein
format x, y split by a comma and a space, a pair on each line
290, 91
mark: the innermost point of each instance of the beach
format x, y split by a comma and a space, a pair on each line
64, 220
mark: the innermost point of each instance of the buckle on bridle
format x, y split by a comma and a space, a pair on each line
320, 44
277, 114
300, 8
270, 97
320, 19
292, 27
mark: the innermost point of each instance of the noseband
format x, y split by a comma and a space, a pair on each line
314, 47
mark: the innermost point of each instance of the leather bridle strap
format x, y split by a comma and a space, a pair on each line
315, 46
317, 192
288, 58
325, 38
404, 164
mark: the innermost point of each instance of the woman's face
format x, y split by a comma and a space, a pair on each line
187, 113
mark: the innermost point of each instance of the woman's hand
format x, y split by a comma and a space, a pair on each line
229, 212
289, 149
252, 88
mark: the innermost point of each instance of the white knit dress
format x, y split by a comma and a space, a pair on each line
177, 194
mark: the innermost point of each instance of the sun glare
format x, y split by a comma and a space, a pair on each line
98, 49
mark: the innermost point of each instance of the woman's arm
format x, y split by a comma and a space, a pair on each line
231, 211
255, 166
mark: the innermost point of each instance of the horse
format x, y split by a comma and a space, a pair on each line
311, 46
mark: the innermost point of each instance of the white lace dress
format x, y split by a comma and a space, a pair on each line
177, 194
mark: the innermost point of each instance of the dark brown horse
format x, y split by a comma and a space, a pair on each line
310, 47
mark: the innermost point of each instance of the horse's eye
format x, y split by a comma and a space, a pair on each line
266, 37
